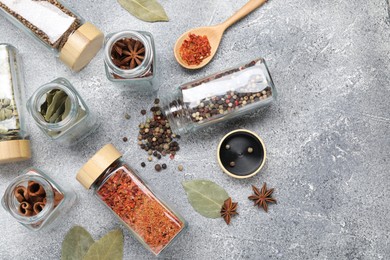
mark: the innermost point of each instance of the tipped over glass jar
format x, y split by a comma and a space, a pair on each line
219, 97
61, 113
35, 200
57, 27
129, 59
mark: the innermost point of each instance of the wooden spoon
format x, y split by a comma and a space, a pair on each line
214, 33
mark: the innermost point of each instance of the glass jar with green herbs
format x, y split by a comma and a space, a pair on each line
61, 113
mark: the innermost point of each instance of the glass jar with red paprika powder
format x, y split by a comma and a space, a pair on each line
118, 187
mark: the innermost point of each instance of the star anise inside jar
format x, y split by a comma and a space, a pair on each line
127, 53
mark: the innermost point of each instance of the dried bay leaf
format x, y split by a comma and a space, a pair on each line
206, 197
146, 10
58, 99
76, 244
109, 247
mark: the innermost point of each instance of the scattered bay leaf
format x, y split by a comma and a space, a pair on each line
206, 197
146, 10
76, 244
109, 247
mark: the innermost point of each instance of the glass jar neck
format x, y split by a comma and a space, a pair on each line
36, 100
176, 112
10, 202
138, 71
106, 174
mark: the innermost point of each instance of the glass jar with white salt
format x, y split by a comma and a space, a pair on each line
58, 27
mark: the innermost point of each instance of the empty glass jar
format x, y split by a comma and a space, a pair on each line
35, 200
219, 97
61, 113
129, 59
14, 143
57, 27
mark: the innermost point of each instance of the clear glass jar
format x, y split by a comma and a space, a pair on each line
74, 121
219, 97
118, 187
14, 143
35, 200
141, 76
57, 27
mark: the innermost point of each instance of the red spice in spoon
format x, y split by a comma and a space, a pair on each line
195, 49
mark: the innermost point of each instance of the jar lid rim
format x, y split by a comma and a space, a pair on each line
97, 165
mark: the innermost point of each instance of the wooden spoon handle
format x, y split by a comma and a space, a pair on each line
244, 11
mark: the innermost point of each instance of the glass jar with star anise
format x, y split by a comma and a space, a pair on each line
129, 59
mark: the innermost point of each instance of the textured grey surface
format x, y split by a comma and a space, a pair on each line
327, 136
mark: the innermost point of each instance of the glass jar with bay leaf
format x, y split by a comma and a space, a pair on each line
61, 113
35, 200
129, 59
14, 143
57, 27
124, 193
219, 97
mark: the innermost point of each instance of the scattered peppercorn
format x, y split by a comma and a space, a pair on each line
125, 139
232, 164
143, 164
180, 167
164, 166
143, 112
250, 150
150, 159
155, 135
157, 167
127, 116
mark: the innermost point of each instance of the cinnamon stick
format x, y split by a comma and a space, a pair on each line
38, 207
36, 191
26, 209
21, 194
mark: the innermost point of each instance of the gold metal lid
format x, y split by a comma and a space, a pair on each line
82, 46
92, 170
255, 137
14, 151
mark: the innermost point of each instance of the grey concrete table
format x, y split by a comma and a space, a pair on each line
327, 136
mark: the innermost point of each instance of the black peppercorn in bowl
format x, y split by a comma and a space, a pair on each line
241, 154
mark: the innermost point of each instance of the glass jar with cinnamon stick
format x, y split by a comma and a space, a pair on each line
124, 193
35, 200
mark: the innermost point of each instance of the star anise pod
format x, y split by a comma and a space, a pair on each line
262, 197
228, 210
128, 53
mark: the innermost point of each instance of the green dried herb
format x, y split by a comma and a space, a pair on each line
76, 244
79, 245
206, 197
9, 120
109, 247
146, 10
